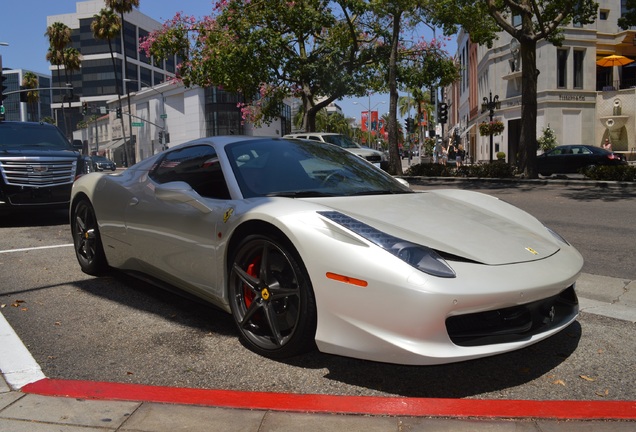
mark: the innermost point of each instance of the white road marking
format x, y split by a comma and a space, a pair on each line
35, 248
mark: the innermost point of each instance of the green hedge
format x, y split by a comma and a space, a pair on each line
623, 173
499, 169
487, 170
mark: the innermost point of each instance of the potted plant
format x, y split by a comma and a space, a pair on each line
495, 127
548, 140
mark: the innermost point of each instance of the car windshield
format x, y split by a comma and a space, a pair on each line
295, 168
23, 135
100, 159
340, 140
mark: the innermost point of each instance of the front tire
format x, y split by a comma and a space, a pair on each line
86, 239
271, 298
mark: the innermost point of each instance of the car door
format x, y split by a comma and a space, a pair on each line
582, 157
549, 162
176, 240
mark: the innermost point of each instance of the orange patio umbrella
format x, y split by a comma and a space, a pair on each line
614, 60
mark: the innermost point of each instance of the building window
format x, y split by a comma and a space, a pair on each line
577, 78
603, 14
516, 20
562, 68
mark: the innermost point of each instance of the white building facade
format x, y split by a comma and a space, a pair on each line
584, 103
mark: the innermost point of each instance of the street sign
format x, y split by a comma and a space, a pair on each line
138, 124
164, 116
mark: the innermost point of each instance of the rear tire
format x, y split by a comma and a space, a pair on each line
87, 240
271, 298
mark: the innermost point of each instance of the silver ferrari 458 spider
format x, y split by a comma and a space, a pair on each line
308, 245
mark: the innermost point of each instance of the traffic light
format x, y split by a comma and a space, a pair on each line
84, 108
442, 112
406, 125
2, 89
160, 137
24, 94
118, 112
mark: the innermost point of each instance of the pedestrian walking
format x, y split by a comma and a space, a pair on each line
460, 153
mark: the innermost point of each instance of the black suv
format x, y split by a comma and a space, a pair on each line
38, 166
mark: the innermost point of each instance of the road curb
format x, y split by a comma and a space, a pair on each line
358, 405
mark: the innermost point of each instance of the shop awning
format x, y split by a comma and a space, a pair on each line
112, 145
465, 133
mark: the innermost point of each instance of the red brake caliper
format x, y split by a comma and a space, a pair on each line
252, 270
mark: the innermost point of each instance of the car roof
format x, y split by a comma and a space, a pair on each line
19, 124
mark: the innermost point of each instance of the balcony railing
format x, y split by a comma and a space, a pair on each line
628, 83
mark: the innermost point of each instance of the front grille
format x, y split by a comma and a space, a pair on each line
513, 323
374, 158
38, 172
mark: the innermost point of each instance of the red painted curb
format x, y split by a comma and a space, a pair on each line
392, 406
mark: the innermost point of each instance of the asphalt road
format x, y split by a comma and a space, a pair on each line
121, 330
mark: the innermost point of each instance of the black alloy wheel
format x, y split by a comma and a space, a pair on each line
271, 298
86, 239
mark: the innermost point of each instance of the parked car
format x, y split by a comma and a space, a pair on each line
307, 245
377, 158
101, 163
568, 159
38, 166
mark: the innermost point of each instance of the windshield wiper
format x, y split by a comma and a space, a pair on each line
300, 194
380, 192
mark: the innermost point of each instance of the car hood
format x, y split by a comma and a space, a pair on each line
364, 151
470, 225
34, 152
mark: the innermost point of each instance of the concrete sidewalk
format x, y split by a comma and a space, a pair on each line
31, 403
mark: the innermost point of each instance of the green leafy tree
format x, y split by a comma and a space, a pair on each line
628, 18
539, 20
267, 51
404, 65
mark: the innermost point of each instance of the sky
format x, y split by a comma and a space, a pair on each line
23, 24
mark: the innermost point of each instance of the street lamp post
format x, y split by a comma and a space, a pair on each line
369, 127
491, 104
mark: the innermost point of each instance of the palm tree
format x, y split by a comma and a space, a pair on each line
31, 81
405, 105
122, 7
59, 35
107, 25
72, 62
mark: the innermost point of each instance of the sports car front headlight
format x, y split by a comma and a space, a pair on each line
557, 236
421, 257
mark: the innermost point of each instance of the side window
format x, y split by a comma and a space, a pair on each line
198, 166
562, 68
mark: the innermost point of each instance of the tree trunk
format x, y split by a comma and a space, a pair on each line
528, 139
395, 162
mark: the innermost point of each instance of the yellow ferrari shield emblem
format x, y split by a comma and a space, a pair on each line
532, 251
227, 214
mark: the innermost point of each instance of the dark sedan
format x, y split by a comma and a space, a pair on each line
568, 159
100, 163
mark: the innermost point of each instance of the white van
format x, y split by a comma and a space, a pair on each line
375, 157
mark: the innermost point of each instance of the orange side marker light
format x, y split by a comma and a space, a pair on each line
347, 279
